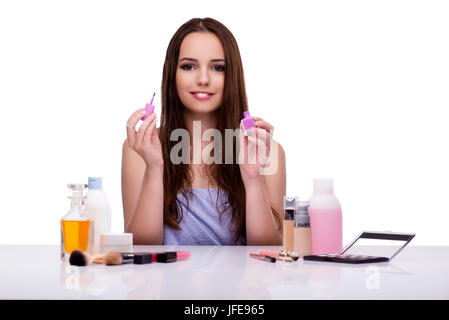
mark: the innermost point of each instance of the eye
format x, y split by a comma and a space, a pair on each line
187, 67
219, 67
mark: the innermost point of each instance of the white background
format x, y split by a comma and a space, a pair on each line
356, 90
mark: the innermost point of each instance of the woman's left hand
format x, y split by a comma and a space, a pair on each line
254, 150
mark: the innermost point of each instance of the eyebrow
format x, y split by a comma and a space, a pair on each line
196, 60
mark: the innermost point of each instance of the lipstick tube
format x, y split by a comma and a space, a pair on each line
167, 257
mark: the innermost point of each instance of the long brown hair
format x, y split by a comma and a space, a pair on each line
178, 178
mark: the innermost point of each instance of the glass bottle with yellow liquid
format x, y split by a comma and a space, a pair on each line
77, 229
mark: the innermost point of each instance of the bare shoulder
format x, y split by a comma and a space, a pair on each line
279, 150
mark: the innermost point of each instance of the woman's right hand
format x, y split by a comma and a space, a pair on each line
146, 140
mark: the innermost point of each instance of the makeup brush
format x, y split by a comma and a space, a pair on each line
81, 258
262, 257
114, 258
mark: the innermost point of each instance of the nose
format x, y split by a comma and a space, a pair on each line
203, 77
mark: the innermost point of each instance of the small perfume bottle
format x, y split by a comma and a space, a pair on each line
77, 229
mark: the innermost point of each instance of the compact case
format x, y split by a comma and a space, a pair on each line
356, 258
120, 242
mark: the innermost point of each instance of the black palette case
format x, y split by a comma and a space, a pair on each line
358, 259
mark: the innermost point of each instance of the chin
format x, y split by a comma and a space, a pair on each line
202, 107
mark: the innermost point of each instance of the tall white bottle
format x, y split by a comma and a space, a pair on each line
98, 209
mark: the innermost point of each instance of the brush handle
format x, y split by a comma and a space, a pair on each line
270, 252
127, 257
262, 257
98, 258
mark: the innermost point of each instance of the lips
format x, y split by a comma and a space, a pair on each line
201, 95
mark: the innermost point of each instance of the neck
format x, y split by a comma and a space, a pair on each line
196, 123
207, 120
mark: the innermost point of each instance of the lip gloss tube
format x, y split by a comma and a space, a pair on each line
172, 256
149, 108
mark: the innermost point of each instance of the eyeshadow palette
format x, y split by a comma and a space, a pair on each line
346, 258
402, 238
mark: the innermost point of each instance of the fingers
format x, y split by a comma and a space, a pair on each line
143, 128
262, 152
243, 141
131, 126
262, 139
260, 123
150, 130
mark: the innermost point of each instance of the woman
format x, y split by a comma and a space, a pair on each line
198, 202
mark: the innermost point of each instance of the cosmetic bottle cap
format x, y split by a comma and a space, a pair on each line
95, 183
289, 202
142, 258
77, 189
166, 257
246, 114
302, 218
323, 186
77, 186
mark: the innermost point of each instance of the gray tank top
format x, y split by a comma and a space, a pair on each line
201, 222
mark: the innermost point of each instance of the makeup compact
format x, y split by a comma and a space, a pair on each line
368, 247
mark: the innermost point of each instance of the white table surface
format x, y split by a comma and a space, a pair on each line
222, 273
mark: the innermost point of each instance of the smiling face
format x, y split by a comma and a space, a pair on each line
200, 74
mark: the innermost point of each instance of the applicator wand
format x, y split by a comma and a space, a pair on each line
149, 108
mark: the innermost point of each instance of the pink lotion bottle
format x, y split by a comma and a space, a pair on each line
326, 220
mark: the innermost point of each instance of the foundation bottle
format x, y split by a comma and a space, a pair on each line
302, 237
289, 221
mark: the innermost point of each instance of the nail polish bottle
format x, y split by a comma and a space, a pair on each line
302, 237
248, 123
289, 216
